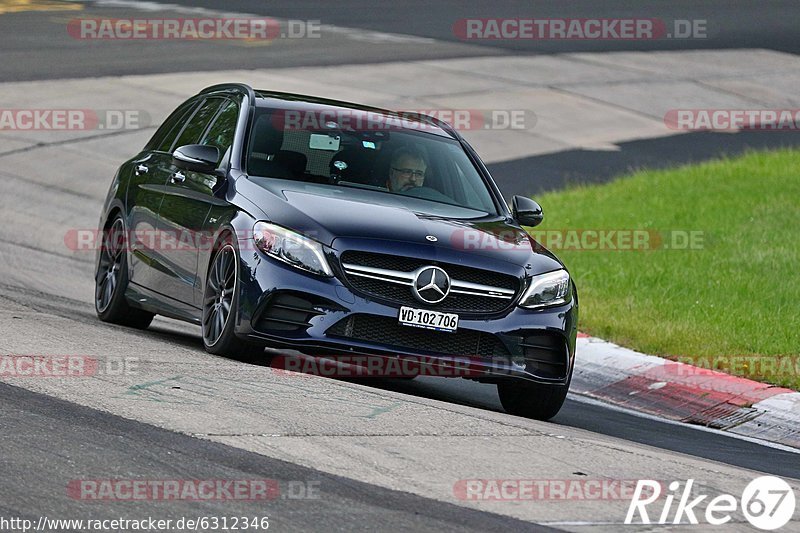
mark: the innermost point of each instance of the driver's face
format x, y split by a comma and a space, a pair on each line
406, 173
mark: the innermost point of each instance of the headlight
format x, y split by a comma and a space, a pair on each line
548, 289
292, 248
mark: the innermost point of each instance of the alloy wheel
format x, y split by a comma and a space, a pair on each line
218, 295
109, 268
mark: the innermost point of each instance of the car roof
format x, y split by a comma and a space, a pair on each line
410, 120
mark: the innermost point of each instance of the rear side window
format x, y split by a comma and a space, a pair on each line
165, 135
197, 124
222, 131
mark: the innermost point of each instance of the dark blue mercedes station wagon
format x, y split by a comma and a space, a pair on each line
280, 220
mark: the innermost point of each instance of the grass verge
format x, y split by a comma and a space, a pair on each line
711, 275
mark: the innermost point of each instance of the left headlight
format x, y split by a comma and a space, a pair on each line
546, 290
292, 248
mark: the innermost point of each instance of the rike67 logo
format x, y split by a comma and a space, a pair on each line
768, 503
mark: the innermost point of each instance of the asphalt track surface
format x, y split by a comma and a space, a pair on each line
45, 441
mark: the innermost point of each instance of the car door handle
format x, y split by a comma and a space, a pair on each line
178, 177
142, 169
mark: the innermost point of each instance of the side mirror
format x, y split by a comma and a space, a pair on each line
526, 211
197, 158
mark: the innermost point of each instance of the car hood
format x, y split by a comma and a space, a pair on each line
329, 214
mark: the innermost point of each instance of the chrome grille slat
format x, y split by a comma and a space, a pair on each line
382, 274
483, 294
482, 290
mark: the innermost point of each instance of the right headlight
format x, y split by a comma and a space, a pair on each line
547, 290
292, 248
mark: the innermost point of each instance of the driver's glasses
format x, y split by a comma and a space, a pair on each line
410, 172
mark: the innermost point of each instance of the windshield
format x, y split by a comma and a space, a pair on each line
378, 156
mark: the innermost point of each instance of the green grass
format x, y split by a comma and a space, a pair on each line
739, 295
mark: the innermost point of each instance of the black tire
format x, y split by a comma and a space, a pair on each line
111, 281
531, 400
220, 302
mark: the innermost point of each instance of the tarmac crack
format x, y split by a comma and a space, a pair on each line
65, 142
47, 252
49, 187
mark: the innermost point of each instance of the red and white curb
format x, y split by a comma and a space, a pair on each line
685, 393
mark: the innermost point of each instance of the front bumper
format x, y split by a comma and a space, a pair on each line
281, 306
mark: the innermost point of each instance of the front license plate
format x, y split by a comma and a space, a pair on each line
422, 318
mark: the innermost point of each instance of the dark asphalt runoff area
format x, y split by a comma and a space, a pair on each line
739, 24
549, 172
36, 45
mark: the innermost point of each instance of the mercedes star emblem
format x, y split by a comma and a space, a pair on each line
431, 285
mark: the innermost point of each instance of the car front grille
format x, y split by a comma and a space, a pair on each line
390, 278
387, 331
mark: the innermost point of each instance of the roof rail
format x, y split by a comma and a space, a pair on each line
240, 87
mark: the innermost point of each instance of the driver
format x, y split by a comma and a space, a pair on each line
407, 170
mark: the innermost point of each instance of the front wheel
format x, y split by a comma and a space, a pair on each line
530, 399
111, 281
220, 301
